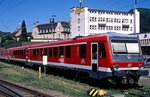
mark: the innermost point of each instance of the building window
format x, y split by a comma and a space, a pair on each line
101, 27
109, 20
131, 29
131, 21
116, 20
90, 26
109, 27
118, 28
93, 19
59, 35
101, 12
101, 19
93, 27
90, 18
78, 28
78, 20
124, 29
124, 20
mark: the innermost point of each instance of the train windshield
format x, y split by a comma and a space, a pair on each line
125, 46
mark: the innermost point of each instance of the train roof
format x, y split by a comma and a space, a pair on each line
19, 47
80, 39
114, 34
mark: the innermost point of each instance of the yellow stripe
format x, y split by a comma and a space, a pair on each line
91, 92
95, 93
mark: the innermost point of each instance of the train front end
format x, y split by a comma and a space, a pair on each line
127, 60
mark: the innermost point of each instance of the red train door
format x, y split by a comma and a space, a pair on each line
26, 54
94, 56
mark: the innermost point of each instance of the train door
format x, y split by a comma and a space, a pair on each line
26, 54
94, 56
8, 55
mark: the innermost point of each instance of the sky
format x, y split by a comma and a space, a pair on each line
13, 12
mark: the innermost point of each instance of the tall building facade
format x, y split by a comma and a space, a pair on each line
84, 21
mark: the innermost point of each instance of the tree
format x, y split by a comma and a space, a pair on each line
23, 36
7, 39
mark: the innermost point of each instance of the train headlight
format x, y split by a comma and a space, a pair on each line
140, 66
116, 66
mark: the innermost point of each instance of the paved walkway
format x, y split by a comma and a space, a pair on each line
144, 81
148, 69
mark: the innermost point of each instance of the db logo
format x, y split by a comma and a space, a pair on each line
61, 59
82, 61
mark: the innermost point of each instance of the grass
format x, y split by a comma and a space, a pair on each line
30, 77
66, 86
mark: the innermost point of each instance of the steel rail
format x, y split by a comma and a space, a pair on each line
7, 91
25, 89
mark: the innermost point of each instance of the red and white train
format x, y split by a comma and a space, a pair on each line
111, 55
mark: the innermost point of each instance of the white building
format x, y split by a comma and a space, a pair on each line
84, 21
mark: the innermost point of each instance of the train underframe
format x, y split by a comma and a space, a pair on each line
127, 76
116, 76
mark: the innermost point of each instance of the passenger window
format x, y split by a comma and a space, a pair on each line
83, 51
68, 51
61, 50
30, 53
41, 52
102, 50
55, 51
34, 52
50, 52
45, 51
38, 52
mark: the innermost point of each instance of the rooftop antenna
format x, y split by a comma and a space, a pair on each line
81, 1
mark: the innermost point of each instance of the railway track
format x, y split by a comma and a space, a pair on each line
8, 89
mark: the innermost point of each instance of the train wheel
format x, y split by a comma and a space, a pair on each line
84, 77
81, 76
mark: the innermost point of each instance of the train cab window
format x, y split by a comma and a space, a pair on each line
102, 50
50, 52
68, 51
83, 51
55, 51
61, 51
